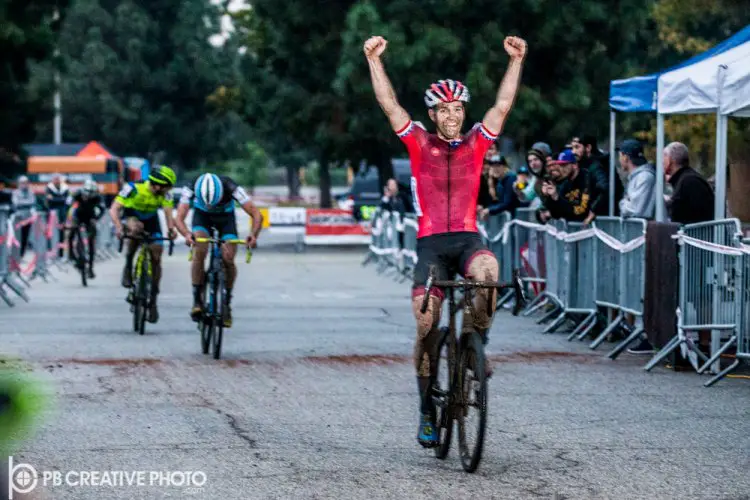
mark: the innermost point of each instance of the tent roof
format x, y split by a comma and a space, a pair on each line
735, 96
94, 149
697, 88
639, 93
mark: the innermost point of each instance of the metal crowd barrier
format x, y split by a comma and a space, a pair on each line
712, 295
17, 272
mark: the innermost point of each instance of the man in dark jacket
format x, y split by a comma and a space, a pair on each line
571, 198
692, 198
597, 163
56, 199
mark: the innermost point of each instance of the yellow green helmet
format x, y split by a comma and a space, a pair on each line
163, 175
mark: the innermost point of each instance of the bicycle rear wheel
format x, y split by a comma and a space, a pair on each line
472, 395
441, 391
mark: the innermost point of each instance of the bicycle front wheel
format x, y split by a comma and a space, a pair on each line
144, 291
441, 392
472, 401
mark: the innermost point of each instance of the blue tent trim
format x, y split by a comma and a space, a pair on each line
639, 93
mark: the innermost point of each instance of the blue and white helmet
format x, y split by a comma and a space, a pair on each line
209, 189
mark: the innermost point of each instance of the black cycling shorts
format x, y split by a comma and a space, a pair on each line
450, 253
151, 224
224, 222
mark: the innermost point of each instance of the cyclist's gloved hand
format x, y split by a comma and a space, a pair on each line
252, 241
189, 240
119, 232
171, 233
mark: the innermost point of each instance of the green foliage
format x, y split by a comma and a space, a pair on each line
137, 76
27, 33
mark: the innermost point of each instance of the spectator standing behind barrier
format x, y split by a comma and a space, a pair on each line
640, 196
524, 187
591, 158
24, 204
692, 198
692, 201
393, 202
501, 181
56, 196
570, 199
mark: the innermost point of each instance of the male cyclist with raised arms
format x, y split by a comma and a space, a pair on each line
213, 199
446, 169
86, 207
141, 202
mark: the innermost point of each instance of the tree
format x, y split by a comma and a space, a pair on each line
27, 33
292, 54
137, 75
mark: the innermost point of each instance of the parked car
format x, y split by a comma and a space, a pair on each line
366, 193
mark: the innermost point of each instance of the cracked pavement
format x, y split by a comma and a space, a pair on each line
316, 398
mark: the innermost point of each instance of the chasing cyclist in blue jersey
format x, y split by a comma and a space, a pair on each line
213, 199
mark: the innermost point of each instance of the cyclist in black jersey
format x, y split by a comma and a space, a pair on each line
86, 208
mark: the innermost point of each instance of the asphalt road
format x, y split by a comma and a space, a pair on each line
316, 398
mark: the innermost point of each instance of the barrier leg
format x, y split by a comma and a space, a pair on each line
501, 301
5, 297
610, 328
718, 354
548, 316
722, 373
17, 289
625, 343
556, 323
583, 328
665, 351
539, 301
22, 279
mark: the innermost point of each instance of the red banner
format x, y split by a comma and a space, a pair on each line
334, 226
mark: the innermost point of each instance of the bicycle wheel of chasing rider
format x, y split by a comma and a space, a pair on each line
218, 318
81, 255
441, 391
472, 401
204, 325
144, 292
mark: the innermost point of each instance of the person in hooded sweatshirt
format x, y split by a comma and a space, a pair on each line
24, 207
640, 197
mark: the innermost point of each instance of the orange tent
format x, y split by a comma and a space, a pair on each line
94, 150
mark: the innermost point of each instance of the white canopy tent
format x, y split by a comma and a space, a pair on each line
719, 84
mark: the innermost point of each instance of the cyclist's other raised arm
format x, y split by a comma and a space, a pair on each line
381, 85
494, 119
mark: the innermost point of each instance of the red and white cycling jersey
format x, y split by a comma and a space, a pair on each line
445, 177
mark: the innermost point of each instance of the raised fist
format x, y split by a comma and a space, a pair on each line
515, 47
374, 46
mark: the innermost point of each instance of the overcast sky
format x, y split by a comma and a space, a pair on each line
226, 23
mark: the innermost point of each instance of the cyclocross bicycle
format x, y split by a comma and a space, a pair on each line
139, 296
465, 386
211, 324
81, 236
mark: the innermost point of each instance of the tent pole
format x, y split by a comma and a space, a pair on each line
612, 135
660, 215
720, 171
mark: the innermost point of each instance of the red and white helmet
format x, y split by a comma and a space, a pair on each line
446, 91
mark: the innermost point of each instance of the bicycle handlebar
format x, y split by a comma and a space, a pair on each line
145, 238
515, 284
248, 250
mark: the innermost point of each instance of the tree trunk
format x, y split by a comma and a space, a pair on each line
325, 181
292, 181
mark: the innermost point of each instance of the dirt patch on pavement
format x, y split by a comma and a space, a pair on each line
534, 356
358, 359
113, 361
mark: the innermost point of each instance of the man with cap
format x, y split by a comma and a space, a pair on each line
591, 158
571, 198
640, 197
